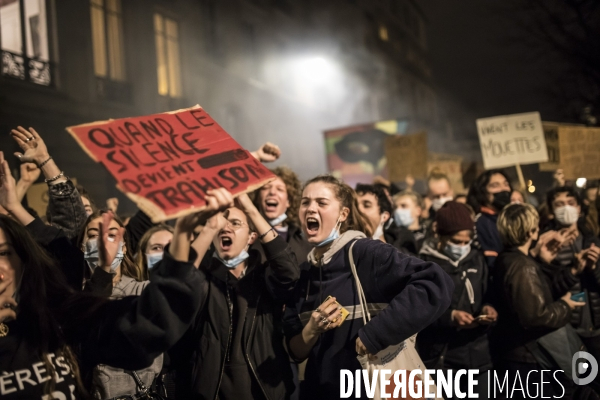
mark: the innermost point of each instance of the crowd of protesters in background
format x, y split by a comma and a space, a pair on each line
249, 298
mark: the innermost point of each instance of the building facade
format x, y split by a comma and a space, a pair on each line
267, 70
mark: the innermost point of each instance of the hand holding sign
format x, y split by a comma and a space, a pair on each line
168, 163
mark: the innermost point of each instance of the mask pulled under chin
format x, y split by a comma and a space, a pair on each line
335, 233
91, 255
278, 220
233, 262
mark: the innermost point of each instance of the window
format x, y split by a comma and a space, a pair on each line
24, 40
107, 39
383, 33
167, 56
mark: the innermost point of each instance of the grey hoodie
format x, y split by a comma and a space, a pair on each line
109, 382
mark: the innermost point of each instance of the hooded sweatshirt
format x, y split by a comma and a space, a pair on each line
443, 345
405, 293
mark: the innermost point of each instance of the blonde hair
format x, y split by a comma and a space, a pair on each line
416, 198
516, 223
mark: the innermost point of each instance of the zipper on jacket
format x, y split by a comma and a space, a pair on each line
247, 345
230, 307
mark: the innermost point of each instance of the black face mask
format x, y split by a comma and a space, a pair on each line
501, 200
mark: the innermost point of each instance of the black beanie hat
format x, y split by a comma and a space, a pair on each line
453, 217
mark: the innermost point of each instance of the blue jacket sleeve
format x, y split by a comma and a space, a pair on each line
418, 293
489, 239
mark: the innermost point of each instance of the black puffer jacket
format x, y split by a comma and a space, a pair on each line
525, 305
200, 357
441, 344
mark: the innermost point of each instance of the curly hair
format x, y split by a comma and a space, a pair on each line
293, 186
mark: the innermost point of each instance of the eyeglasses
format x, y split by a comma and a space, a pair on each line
235, 224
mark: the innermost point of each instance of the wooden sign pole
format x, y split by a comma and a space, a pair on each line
521, 179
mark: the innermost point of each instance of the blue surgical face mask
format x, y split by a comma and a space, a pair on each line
335, 233
91, 255
153, 259
403, 217
278, 220
233, 262
456, 252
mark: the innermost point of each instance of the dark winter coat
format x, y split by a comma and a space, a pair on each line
442, 344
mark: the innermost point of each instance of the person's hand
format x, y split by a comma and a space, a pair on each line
572, 304
547, 246
268, 152
569, 235
244, 203
216, 223
490, 313
8, 304
112, 204
29, 173
8, 192
463, 319
361, 350
591, 257
325, 318
33, 146
559, 178
217, 201
381, 181
110, 240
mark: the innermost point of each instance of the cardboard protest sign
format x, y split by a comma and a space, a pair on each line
406, 155
579, 148
512, 140
166, 162
451, 165
551, 137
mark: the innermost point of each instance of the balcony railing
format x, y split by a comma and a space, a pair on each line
26, 69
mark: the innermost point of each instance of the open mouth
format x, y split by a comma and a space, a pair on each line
312, 225
226, 243
271, 205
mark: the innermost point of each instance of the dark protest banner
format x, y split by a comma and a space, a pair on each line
167, 162
406, 155
510, 140
579, 148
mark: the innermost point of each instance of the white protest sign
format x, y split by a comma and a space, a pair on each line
512, 140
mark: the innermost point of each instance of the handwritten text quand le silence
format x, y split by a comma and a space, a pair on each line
166, 147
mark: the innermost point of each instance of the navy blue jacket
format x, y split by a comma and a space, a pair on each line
488, 236
417, 292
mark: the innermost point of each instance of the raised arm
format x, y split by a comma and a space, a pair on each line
65, 208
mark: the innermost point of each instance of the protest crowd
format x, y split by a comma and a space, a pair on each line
263, 295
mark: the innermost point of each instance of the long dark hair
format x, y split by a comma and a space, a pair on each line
45, 300
128, 267
478, 194
347, 197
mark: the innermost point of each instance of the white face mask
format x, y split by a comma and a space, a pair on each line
566, 215
379, 231
438, 203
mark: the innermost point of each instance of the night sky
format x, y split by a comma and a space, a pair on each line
479, 56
